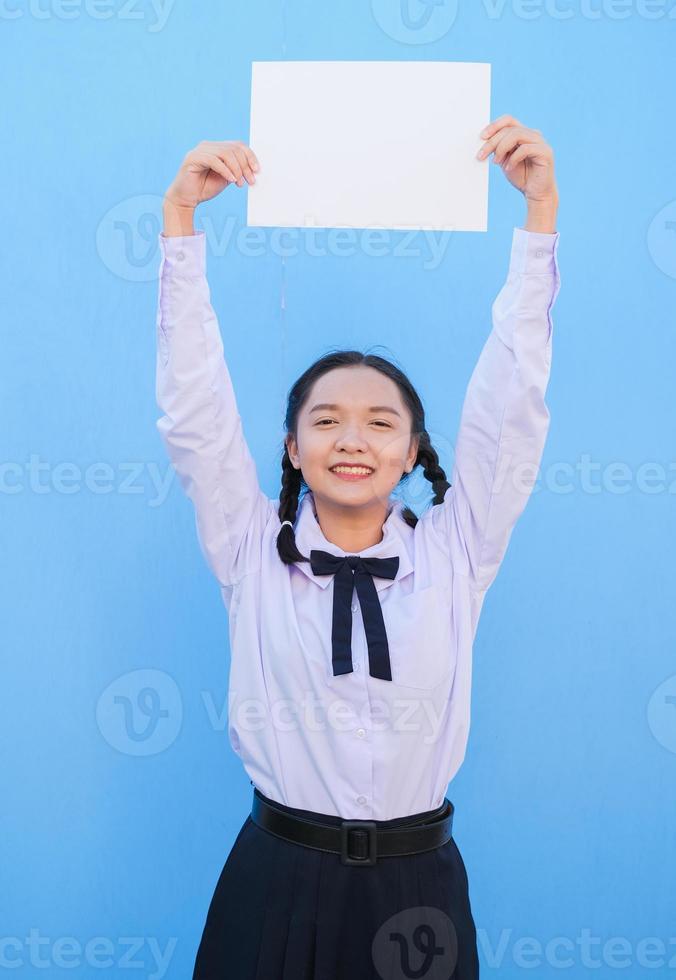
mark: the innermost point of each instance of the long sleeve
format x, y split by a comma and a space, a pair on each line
201, 428
505, 420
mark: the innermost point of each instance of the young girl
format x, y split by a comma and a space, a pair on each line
351, 619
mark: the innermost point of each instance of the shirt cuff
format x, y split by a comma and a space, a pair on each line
533, 252
184, 255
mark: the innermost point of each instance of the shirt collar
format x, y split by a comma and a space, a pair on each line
309, 535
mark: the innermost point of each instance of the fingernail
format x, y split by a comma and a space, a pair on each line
484, 133
480, 154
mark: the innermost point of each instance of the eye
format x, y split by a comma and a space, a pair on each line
378, 422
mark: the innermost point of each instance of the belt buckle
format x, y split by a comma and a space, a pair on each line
363, 825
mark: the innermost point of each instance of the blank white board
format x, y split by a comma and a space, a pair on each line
369, 144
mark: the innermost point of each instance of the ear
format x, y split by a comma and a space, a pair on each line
292, 449
412, 453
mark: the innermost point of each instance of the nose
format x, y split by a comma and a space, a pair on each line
352, 440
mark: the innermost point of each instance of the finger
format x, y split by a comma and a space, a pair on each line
223, 152
253, 159
251, 156
538, 152
493, 141
513, 134
512, 138
243, 161
214, 162
498, 124
230, 159
229, 144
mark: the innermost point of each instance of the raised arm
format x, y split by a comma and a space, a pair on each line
201, 427
505, 419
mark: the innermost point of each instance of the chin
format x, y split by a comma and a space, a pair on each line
356, 495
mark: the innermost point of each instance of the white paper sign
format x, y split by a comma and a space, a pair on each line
369, 144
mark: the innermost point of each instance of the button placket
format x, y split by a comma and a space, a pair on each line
357, 638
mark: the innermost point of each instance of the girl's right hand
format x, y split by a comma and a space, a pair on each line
208, 169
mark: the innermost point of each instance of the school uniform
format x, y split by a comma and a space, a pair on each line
350, 676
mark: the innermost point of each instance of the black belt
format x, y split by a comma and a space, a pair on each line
357, 841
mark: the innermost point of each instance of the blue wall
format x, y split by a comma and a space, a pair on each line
116, 821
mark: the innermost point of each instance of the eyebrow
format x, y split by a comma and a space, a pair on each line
374, 408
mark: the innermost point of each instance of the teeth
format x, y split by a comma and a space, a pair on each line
351, 469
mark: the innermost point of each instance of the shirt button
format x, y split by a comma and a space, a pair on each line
357, 666
361, 732
180, 256
539, 253
361, 800
354, 608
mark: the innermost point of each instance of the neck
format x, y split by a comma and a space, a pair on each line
352, 529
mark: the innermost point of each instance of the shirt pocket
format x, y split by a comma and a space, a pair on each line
419, 638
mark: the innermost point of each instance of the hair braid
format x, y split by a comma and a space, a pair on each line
433, 471
288, 508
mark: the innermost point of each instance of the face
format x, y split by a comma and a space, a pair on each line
354, 415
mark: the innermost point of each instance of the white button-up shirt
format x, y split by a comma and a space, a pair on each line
355, 745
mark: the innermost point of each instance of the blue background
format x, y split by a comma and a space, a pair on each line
116, 822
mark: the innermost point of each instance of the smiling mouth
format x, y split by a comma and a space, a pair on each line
347, 472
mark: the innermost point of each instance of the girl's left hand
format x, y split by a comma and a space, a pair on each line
527, 160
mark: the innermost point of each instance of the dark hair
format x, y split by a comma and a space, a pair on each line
292, 480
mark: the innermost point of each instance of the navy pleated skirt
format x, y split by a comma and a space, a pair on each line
283, 911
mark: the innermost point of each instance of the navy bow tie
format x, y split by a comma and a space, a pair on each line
351, 572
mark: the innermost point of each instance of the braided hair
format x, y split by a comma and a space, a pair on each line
292, 478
